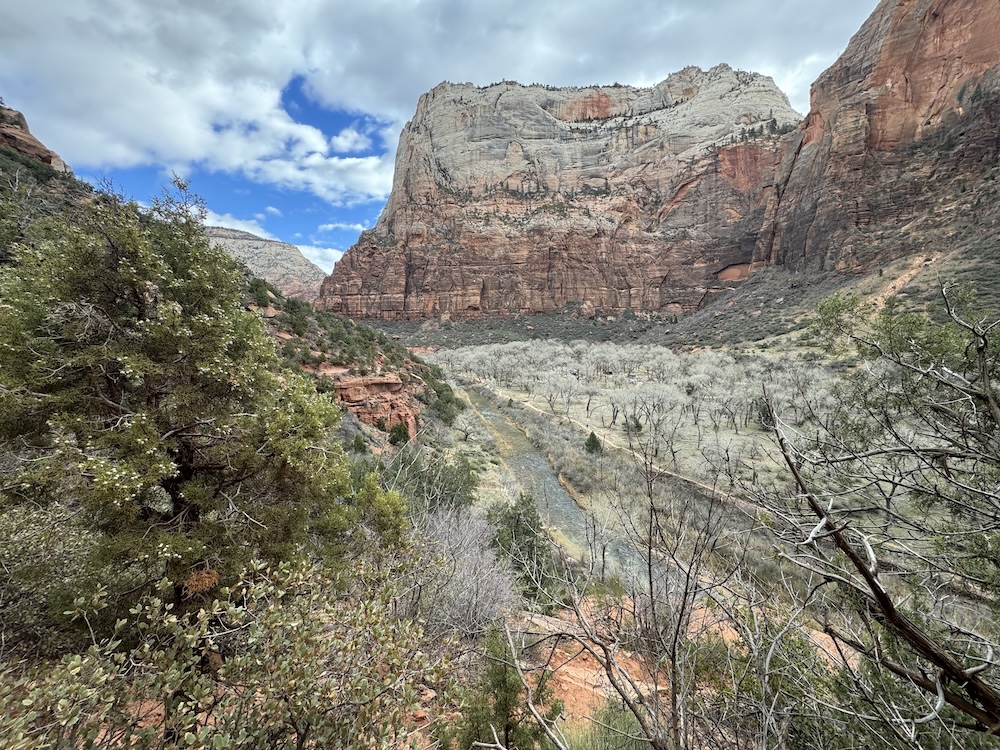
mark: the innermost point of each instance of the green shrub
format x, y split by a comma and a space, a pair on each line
593, 444
254, 668
399, 434
496, 704
258, 290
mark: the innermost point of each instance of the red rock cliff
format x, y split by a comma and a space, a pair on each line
14, 133
515, 199
900, 136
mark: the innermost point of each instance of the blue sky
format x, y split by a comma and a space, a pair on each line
285, 115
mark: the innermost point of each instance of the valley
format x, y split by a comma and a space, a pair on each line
656, 416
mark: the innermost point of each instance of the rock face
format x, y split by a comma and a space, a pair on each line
515, 199
900, 139
14, 133
278, 263
378, 400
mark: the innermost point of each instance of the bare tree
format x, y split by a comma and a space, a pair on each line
895, 504
459, 585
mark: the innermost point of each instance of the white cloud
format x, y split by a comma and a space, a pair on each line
272, 211
341, 226
119, 83
229, 221
324, 257
349, 141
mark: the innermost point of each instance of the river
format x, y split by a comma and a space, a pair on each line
560, 513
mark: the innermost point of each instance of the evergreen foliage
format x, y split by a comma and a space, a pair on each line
520, 537
497, 704
399, 434
136, 389
430, 480
282, 658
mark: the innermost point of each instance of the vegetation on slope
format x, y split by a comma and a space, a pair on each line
188, 557
890, 515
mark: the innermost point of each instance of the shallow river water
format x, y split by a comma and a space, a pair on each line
534, 475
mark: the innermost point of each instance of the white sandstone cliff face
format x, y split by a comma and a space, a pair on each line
278, 263
510, 198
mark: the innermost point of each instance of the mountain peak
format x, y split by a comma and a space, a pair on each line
511, 198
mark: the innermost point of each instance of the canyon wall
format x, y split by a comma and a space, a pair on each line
279, 263
513, 199
899, 144
523, 199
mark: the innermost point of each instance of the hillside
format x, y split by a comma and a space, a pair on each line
278, 263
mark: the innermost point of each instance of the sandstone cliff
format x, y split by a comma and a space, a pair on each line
380, 400
522, 199
899, 151
14, 133
278, 263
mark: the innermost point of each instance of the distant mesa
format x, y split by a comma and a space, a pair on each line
279, 263
524, 199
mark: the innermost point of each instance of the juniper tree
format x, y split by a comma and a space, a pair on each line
895, 504
137, 391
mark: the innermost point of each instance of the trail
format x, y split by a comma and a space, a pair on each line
570, 522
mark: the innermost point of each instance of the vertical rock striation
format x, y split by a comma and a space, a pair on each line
900, 135
522, 199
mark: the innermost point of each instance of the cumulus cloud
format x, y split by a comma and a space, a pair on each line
119, 83
342, 227
324, 257
229, 221
349, 141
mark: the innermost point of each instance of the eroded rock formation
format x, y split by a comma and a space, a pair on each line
14, 133
380, 400
278, 263
524, 199
901, 135
514, 199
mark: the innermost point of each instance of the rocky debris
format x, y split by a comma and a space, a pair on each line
522, 199
278, 263
14, 133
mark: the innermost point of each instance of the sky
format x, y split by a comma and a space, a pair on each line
284, 114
